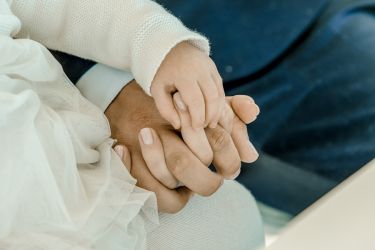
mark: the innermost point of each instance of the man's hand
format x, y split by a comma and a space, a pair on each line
239, 111
133, 110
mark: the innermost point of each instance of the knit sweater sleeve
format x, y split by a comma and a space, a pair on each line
133, 35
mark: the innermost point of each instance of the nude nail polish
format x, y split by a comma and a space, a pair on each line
147, 136
179, 102
119, 150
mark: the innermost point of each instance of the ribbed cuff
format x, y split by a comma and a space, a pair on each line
101, 84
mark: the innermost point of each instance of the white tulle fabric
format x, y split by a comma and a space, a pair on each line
61, 185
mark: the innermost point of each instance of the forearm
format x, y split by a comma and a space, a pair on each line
130, 35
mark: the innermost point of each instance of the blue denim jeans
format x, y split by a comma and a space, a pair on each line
317, 121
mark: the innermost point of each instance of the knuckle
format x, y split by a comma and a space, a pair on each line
195, 103
212, 96
178, 162
169, 181
220, 140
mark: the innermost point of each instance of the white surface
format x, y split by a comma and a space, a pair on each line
274, 221
344, 219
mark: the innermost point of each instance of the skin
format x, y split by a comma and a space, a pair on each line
199, 84
166, 163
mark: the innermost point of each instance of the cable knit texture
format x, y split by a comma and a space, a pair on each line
133, 35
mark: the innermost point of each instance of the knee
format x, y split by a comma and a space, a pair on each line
244, 220
228, 219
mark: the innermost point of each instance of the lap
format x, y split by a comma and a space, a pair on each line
318, 105
229, 219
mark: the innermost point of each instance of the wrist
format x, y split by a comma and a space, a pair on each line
101, 84
131, 111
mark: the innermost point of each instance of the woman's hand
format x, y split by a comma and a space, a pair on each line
131, 112
168, 157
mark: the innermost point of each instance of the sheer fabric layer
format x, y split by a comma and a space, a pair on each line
61, 185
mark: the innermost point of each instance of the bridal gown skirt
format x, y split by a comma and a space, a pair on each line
61, 184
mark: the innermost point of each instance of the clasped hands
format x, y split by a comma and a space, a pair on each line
174, 164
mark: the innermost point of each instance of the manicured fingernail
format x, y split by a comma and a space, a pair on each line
119, 150
147, 136
180, 104
235, 175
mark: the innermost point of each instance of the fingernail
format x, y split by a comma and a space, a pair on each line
251, 155
255, 108
180, 104
147, 136
250, 99
252, 119
253, 150
119, 150
235, 175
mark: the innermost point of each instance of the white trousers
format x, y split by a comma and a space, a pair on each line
229, 219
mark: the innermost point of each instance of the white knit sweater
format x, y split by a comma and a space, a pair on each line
132, 35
